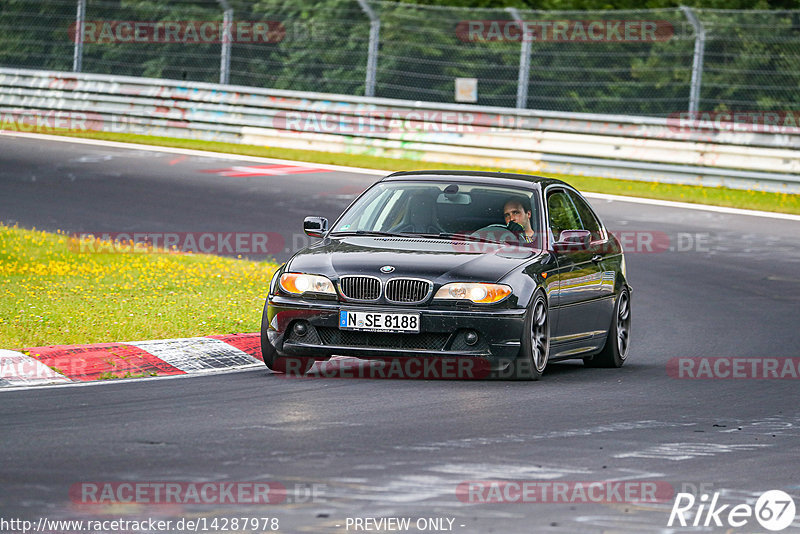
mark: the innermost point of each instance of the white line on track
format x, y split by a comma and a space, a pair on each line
190, 152
378, 172
689, 206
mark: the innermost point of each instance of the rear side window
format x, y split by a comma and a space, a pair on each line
561, 214
588, 219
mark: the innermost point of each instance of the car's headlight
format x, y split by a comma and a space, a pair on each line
297, 284
478, 293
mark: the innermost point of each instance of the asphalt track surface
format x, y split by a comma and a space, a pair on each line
400, 448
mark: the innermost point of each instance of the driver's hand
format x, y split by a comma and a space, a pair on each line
515, 227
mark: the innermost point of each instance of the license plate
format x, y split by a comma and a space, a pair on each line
378, 321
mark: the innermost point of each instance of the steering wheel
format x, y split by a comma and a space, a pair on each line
499, 232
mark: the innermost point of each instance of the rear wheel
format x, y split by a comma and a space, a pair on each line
275, 362
535, 347
617, 344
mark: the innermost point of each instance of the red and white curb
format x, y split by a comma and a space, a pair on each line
61, 364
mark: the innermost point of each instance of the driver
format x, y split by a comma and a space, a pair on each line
517, 213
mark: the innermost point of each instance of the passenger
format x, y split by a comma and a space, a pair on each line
517, 213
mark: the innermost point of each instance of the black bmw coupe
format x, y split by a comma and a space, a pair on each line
506, 270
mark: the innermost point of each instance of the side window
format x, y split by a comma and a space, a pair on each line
561, 214
588, 217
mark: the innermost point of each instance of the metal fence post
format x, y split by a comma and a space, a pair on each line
77, 56
697, 62
374, 39
227, 39
524, 61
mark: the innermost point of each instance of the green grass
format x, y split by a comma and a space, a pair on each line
717, 196
50, 294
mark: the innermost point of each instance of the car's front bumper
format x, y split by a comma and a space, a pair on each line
442, 332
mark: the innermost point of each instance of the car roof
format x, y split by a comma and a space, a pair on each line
498, 178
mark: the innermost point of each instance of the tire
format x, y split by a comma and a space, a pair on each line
275, 362
618, 341
535, 343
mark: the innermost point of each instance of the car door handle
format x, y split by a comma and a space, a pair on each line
597, 258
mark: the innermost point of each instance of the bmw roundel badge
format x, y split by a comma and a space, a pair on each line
387, 269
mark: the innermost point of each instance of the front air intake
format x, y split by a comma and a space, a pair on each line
408, 290
366, 288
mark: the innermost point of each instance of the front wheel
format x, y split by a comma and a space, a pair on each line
275, 362
535, 342
618, 340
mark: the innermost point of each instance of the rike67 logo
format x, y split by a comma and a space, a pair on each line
774, 510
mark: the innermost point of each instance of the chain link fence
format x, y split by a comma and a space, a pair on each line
633, 62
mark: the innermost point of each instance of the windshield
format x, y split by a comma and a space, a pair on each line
445, 209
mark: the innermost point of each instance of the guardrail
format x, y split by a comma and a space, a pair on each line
639, 148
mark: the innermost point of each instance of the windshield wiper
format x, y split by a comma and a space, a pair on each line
370, 233
465, 237
442, 235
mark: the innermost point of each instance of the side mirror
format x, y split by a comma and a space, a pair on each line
573, 240
315, 226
